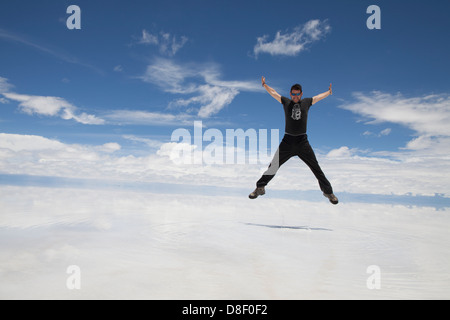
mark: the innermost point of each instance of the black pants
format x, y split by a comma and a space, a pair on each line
295, 146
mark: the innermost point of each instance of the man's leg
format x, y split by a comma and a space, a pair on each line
306, 153
282, 155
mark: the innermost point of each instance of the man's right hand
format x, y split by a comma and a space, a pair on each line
271, 91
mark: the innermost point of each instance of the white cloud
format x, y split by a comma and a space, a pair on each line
118, 68
5, 86
148, 38
152, 143
429, 145
83, 118
428, 116
17, 143
200, 80
382, 133
37, 155
386, 132
293, 42
340, 152
178, 153
139, 117
348, 169
212, 98
373, 173
170, 77
51, 106
48, 106
109, 147
168, 44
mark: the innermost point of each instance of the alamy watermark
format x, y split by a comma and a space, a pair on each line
374, 280
213, 146
374, 21
73, 282
74, 21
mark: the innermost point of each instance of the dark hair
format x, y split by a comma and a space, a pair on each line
297, 87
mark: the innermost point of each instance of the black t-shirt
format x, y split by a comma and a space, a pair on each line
296, 115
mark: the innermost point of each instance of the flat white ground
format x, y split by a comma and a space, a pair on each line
141, 245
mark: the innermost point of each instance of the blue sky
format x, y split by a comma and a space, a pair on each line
134, 73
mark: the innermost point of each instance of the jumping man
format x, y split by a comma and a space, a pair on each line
295, 141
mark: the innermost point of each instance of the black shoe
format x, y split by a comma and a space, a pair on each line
333, 199
257, 192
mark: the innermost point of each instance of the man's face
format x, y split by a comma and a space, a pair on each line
296, 95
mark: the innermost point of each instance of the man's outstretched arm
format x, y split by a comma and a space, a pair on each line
271, 91
322, 95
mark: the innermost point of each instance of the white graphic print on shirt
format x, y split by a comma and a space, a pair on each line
296, 112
